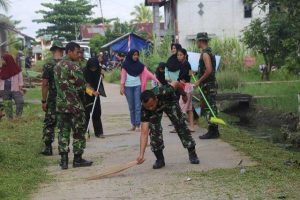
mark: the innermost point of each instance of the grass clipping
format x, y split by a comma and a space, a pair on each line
113, 170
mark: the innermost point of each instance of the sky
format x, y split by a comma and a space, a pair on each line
24, 10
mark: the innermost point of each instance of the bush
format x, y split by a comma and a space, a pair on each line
228, 80
114, 76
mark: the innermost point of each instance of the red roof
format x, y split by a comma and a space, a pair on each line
89, 31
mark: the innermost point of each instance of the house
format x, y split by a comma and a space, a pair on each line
219, 18
5, 29
87, 32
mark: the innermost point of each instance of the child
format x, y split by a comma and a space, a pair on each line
185, 79
160, 73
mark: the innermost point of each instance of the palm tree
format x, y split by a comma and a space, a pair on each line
4, 4
142, 14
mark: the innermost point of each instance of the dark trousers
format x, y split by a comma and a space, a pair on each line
173, 111
96, 118
8, 96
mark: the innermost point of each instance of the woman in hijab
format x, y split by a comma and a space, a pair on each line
173, 65
92, 74
134, 81
11, 86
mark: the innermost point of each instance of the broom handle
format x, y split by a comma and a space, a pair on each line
94, 104
202, 94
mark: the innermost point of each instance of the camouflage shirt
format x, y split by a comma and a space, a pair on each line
202, 67
166, 96
82, 63
48, 73
70, 84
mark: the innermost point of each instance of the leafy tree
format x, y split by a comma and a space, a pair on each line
4, 4
64, 17
142, 14
277, 36
97, 42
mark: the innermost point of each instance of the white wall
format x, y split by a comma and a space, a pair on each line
223, 18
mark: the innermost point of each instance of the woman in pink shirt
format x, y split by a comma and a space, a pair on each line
11, 86
134, 81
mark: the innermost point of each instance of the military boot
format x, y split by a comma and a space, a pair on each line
193, 156
64, 161
48, 149
80, 162
160, 160
213, 133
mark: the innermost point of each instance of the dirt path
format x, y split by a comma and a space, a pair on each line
141, 182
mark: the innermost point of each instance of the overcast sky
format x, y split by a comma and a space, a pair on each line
24, 10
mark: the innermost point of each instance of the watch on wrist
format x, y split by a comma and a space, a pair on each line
43, 101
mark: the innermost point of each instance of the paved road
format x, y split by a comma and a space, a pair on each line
140, 182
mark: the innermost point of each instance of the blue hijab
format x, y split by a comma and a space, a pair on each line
133, 68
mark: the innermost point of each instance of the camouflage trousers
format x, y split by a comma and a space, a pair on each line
173, 111
210, 92
67, 122
49, 122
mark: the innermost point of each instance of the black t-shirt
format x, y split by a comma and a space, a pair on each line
184, 73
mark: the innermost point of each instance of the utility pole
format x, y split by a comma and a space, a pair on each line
156, 24
100, 4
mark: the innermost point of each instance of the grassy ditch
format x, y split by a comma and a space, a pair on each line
21, 166
276, 176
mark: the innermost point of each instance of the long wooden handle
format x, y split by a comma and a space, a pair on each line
113, 170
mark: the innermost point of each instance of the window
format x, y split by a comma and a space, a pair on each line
247, 11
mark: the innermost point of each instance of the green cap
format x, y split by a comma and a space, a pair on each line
57, 45
202, 36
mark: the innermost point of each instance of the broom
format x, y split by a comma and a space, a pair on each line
214, 119
113, 170
94, 104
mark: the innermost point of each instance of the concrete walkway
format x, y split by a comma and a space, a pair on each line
140, 182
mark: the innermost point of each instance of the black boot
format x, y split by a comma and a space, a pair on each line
193, 156
64, 161
213, 133
80, 162
48, 149
160, 160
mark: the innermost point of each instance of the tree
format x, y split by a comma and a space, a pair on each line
113, 31
142, 14
64, 17
97, 42
277, 36
4, 4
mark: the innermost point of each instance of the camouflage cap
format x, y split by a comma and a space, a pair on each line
57, 45
202, 36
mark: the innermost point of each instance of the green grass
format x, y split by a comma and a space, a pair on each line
285, 94
33, 94
269, 179
21, 166
113, 76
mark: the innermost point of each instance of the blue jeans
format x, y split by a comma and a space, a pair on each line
133, 95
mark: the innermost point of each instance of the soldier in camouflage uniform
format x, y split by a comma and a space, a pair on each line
49, 97
70, 85
82, 61
207, 81
156, 101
